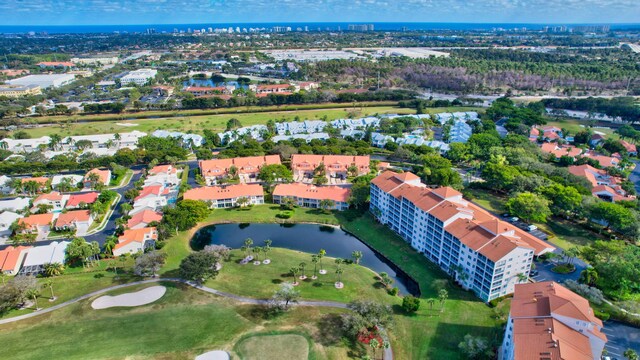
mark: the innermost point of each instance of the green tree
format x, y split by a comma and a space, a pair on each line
275, 172
564, 199
326, 205
285, 295
357, 256
53, 269
475, 347
149, 263
410, 304
613, 215
589, 276
529, 207
199, 266
631, 354
443, 295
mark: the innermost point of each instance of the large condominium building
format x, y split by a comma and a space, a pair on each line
246, 168
548, 321
484, 254
139, 77
16, 91
311, 196
227, 196
335, 166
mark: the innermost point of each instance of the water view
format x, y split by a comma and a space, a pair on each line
302, 237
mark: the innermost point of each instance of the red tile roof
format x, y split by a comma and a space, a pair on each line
223, 192
332, 163
244, 165
56, 64
156, 190
71, 217
136, 235
9, 257
105, 175
40, 180
163, 169
304, 191
52, 196
76, 199
145, 216
37, 220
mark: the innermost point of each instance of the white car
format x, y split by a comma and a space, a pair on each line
532, 228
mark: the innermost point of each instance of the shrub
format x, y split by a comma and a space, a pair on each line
394, 291
604, 316
590, 293
284, 215
410, 304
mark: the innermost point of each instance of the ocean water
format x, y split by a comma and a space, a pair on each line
331, 26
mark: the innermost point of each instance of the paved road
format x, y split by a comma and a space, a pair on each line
388, 353
621, 337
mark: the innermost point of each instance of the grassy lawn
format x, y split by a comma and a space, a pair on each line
184, 323
262, 280
273, 347
216, 123
573, 125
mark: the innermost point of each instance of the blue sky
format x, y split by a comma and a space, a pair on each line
98, 12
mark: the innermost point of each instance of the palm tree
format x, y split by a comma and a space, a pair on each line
522, 277
302, 266
117, 138
257, 250
589, 276
244, 250
443, 295
356, 255
125, 208
571, 253
431, 301
54, 140
339, 272
53, 269
322, 253
247, 243
16, 185
94, 179
34, 293
314, 260
294, 272
49, 283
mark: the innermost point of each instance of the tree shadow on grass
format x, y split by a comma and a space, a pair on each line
330, 330
277, 281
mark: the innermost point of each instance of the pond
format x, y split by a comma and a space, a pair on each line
309, 238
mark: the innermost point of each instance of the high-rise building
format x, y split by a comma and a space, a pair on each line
483, 254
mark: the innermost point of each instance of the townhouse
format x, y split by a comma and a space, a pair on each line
39, 256
164, 175
101, 141
549, 321
246, 168
300, 127
256, 132
482, 253
25, 145
227, 196
310, 196
74, 180
335, 166
188, 140
605, 186
75, 220
153, 197
136, 240
11, 259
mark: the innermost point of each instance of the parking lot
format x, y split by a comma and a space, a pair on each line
621, 337
522, 225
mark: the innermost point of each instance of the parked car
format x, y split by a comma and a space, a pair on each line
532, 228
533, 272
514, 219
506, 215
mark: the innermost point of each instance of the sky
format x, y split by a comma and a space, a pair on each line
126, 12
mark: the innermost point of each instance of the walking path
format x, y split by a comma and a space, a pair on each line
388, 353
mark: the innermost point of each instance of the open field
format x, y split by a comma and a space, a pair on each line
273, 347
216, 123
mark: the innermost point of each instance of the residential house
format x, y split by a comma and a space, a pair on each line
103, 141
605, 186
39, 256
82, 200
77, 220
631, 148
310, 196
482, 253
74, 180
278, 89
5, 185
596, 139
163, 90
16, 205
560, 150
188, 140
300, 127
143, 218
380, 140
39, 224
255, 132
7, 219
200, 91
460, 132
227, 196
11, 259
549, 321
56, 200
156, 195
247, 168
356, 124
43, 183
136, 240
306, 137
547, 133
104, 177
165, 175
336, 166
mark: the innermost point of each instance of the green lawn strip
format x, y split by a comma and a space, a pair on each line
216, 123
275, 345
260, 281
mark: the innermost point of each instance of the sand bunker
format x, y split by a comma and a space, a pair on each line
214, 355
138, 298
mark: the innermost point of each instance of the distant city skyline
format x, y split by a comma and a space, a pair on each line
134, 12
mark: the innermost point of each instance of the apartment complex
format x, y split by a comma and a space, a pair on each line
335, 166
246, 168
548, 321
16, 91
310, 195
481, 252
227, 196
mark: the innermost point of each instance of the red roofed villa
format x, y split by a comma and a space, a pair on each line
78, 200
336, 166
247, 167
78, 220
227, 196
143, 219
135, 240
